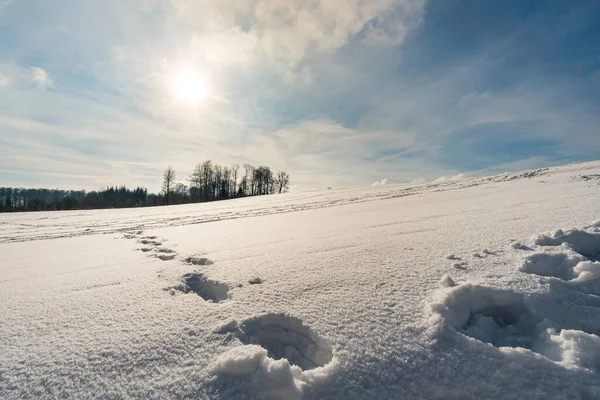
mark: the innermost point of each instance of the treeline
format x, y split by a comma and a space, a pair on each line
13, 200
208, 182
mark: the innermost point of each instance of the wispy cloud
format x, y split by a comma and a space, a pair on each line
41, 78
457, 177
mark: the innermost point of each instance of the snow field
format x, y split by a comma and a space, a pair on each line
428, 291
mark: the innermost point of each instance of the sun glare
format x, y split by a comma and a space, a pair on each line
189, 86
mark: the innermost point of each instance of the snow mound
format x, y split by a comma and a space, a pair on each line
587, 271
572, 348
209, 290
504, 318
269, 378
586, 241
519, 246
283, 337
558, 265
447, 281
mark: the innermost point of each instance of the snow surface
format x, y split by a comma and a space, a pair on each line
470, 288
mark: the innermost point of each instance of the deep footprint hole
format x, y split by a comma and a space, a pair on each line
208, 289
498, 317
287, 337
502, 325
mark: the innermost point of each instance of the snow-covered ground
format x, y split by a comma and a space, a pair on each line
455, 289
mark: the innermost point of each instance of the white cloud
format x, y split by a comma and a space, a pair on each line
41, 77
5, 80
383, 181
450, 178
289, 31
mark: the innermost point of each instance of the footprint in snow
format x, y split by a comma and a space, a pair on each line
542, 323
284, 337
572, 256
164, 250
207, 289
195, 260
150, 242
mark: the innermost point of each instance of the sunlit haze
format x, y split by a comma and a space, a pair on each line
189, 86
337, 93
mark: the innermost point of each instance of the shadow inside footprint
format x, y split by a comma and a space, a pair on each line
209, 290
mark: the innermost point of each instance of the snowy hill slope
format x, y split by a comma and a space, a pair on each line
453, 289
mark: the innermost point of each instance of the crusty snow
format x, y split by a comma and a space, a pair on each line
472, 288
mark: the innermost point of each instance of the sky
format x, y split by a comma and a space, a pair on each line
336, 92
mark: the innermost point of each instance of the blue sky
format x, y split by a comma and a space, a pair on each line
336, 92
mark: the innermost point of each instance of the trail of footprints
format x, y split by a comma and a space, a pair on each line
282, 336
562, 323
194, 282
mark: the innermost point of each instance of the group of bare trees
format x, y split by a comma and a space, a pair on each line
209, 182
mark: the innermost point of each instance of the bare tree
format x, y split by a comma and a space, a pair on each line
249, 183
282, 181
168, 183
207, 179
196, 183
234, 170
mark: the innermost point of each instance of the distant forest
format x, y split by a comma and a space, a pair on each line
208, 182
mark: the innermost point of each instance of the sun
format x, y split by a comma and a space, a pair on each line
189, 86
